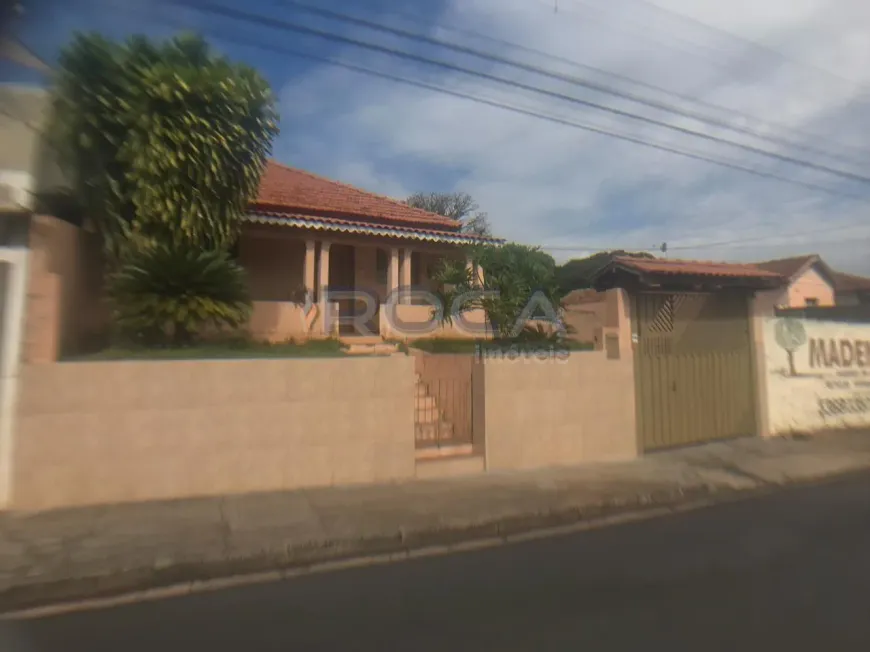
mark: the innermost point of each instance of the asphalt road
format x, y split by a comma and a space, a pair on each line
789, 571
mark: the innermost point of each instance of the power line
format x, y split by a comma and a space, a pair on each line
625, 78
584, 83
759, 46
536, 114
581, 248
863, 224
746, 240
284, 25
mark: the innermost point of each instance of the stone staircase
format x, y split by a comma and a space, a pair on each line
430, 426
362, 345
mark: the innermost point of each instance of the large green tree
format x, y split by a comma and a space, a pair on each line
577, 274
459, 206
164, 142
514, 273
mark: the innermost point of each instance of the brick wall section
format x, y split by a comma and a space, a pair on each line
553, 413
105, 432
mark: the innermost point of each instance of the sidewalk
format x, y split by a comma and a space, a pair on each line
72, 554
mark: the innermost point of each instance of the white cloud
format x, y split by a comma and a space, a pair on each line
545, 183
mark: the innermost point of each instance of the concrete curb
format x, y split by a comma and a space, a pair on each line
163, 580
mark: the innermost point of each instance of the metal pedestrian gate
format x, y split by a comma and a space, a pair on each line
693, 368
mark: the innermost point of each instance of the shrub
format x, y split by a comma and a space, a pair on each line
162, 294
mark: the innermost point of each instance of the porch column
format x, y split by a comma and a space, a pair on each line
323, 283
473, 271
309, 269
406, 274
393, 271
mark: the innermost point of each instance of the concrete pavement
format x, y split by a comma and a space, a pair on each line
81, 553
785, 571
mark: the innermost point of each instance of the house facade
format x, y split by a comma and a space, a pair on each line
323, 260
852, 290
326, 259
813, 284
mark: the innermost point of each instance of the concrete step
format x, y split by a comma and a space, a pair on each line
424, 402
371, 349
433, 430
432, 415
450, 466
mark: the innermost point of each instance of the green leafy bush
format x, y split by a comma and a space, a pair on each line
162, 294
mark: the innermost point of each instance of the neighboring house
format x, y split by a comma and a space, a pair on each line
811, 283
24, 170
852, 290
27, 166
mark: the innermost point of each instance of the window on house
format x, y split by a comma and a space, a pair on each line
811, 302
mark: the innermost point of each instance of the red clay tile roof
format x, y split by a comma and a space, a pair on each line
695, 268
289, 190
788, 267
851, 283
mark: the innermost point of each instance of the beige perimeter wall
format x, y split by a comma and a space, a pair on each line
559, 412
65, 311
102, 432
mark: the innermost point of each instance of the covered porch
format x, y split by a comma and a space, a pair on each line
309, 284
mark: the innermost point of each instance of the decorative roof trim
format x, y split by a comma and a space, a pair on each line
406, 233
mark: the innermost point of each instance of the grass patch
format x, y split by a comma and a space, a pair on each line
239, 349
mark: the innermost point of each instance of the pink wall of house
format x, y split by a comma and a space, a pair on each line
808, 286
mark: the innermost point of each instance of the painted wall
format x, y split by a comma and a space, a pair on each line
809, 285
551, 412
108, 432
824, 383
66, 312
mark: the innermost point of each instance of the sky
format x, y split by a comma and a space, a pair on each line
792, 77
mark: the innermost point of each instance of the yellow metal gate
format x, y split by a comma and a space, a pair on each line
693, 368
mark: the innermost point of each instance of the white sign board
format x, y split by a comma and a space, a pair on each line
818, 374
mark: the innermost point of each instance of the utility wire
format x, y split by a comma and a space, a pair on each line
725, 243
571, 79
758, 46
863, 224
535, 114
284, 25
371, 72
595, 250
683, 97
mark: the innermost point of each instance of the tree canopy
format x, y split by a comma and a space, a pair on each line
577, 274
459, 206
163, 142
515, 272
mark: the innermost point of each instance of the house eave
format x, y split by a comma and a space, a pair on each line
362, 228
